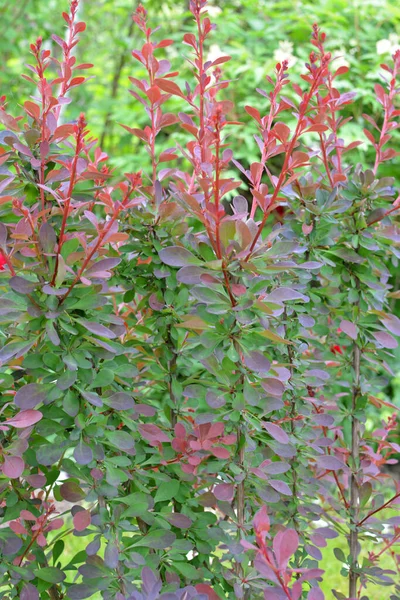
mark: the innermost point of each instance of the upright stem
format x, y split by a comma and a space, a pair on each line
171, 375
355, 459
240, 489
304, 107
201, 83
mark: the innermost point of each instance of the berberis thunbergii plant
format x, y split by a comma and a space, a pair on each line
188, 374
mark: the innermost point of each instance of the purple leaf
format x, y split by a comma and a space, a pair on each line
190, 275
306, 321
13, 467
47, 238
29, 592
155, 304
349, 329
36, 481
315, 594
318, 373
257, 362
121, 440
273, 386
313, 551
271, 595
25, 418
111, 556
93, 398
71, 492
215, 400
280, 486
392, 323
94, 546
80, 591
385, 339
151, 583
176, 256
275, 468
52, 291
224, 492
324, 420
21, 285
30, 395
120, 401
98, 329
331, 463
102, 267
276, 432
83, 454
285, 294
178, 520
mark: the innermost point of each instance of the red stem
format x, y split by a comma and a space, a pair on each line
283, 173
373, 512
8, 261
67, 202
96, 246
388, 104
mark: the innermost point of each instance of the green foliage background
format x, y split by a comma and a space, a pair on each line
248, 30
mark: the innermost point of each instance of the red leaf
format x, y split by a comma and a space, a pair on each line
282, 132
220, 60
369, 136
152, 434
285, 545
203, 588
63, 131
76, 81
81, 26
13, 467
220, 452
349, 329
253, 112
82, 520
32, 109
25, 418
261, 520
169, 87
164, 43
318, 128
341, 71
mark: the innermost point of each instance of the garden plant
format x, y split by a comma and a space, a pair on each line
193, 356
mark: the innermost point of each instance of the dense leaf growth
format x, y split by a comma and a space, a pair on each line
187, 376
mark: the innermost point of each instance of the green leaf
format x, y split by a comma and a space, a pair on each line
338, 552
50, 574
103, 378
167, 490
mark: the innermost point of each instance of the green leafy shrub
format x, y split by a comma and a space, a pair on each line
186, 376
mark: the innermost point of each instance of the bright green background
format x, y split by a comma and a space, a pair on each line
248, 30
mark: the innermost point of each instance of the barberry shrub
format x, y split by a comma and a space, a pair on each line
192, 374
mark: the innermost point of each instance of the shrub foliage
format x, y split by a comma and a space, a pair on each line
186, 378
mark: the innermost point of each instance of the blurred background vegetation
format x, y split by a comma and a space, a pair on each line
362, 34
256, 33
